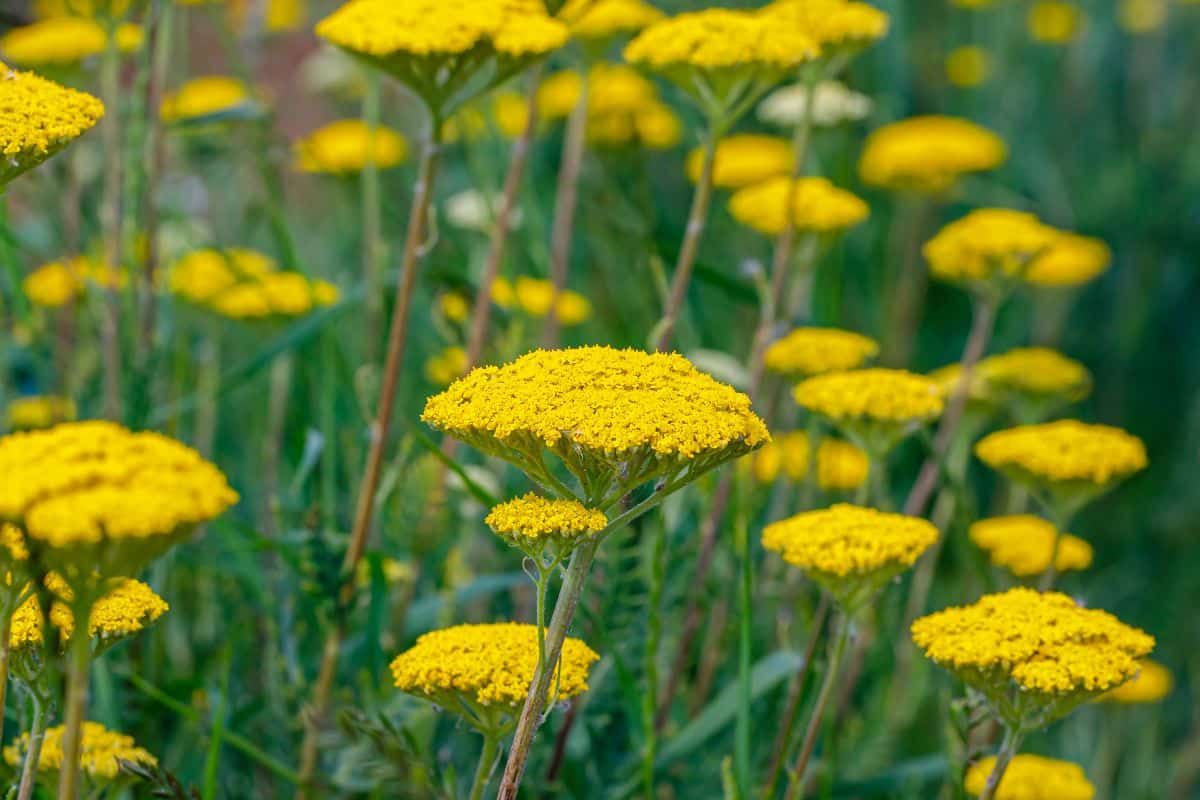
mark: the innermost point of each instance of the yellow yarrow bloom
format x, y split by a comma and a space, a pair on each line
532, 522
744, 159
928, 154
835, 25
40, 119
988, 246
455, 306
968, 67
1054, 22
348, 146
1033, 654
100, 749
536, 297
276, 295
1033, 381
623, 107
1023, 544
1071, 260
849, 550
1031, 778
876, 407
39, 411
62, 41
447, 366
602, 19
1064, 452
817, 206
486, 666
720, 39
124, 611
813, 351
202, 275
841, 466
205, 96
57, 283
1152, 683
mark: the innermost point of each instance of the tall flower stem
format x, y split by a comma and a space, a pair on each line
487, 761
656, 564
1008, 749
567, 195
33, 750
372, 224
838, 648
380, 429
79, 661
110, 216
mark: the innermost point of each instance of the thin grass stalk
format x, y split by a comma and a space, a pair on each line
908, 287
372, 223
796, 787
380, 429
110, 219
567, 196
33, 749
5, 656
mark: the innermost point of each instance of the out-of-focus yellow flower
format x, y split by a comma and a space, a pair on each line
1152, 683
60, 41
536, 297
968, 66
203, 97
1065, 454
55, 284
202, 275
623, 106
744, 159
455, 306
1038, 372
841, 466
510, 111
467, 124
39, 411
988, 246
503, 293
1054, 22
928, 154
836, 25
786, 452
275, 295
1031, 778
874, 408
817, 206
601, 19
100, 750
348, 146
973, 4
447, 366
1071, 260
1142, 16
812, 351
720, 39
1024, 544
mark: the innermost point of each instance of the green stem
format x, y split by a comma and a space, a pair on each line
110, 215
796, 786
372, 224
1060, 522
566, 200
1008, 749
656, 579
80, 657
743, 733
487, 761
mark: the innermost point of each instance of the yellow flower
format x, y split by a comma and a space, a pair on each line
1054, 22
60, 41
12, 543
348, 146
817, 206
850, 551
601, 19
812, 351
275, 295
503, 293
786, 452
53, 285
202, 275
486, 666
887, 395
833, 24
447, 366
1070, 261
656, 125
510, 111
841, 466
949, 376
40, 118
1064, 452
531, 521
536, 296
1031, 778
744, 159
1142, 16
988, 245
719, 39
968, 67
1023, 544
204, 97
928, 154
455, 306
39, 411
100, 750
1036, 371
1152, 683
623, 106
1042, 645
124, 611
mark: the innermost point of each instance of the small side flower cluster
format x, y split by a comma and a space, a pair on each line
126, 610
246, 285
532, 520
1024, 545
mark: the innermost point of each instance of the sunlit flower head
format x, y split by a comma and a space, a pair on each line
720, 39
202, 275
39, 411
125, 610
928, 154
875, 408
1152, 683
602, 19
1064, 455
62, 41
532, 523
1023, 544
275, 296
817, 206
1054, 21
204, 97
348, 146
1071, 260
841, 466
100, 751
40, 119
813, 351
623, 106
833, 103
1031, 778
988, 246
744, 159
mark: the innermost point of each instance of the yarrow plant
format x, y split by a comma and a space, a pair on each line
805, 352
1024, 544
99, 758
928, 155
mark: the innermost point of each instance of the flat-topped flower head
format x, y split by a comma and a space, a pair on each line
988, 246
841, 466
875, 408
744, 159
275, 296
817, 206
40, 119
57, 283
1024, 544
928, 154
1033, 655
1072, 260
610, 415
348, 146
487, 667
39, 411
532, 522
64, 41
814, 351
849, 550
1034, 382
125, 610
202, 275
1072, 460
208, 96
1152, 683
839, 26
1031, 778
100, 751
593, 20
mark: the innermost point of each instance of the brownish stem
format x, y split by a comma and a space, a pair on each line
5, 652
564, 209
33, 749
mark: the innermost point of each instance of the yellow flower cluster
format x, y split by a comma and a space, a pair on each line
841, 466
601, 400
987, 244
40, 118
744, 159
348, 146
928, 154
719, 39
127, 609
447, 366
817, 206
968, 66
12, 543
623, 107
1071, 260
61, 41
949, 376
847, 540
885, 395
204, 97
535, 297
1023, 544
1054, 22
601, 19
244, 284
1036, 371
90, 482
832, 24
537, 518
1152, 683
486, 665
99, 752
1043, 642
45, 9
384, 28
1031, 778
812, 351
1066, 450
57, 283
39, 411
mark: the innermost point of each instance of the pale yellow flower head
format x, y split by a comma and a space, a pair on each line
928, 154
1064, 452
1071, 260
744, 159
486, 666
817, 206
205, 96
100, 751
602, 19
814, 351
832, 104
62, 41
348, 146
1031, 778
1023, 544
1054, 22
987, 246
1152, 683
40, 119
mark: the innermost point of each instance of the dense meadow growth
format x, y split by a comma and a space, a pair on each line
599, 399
